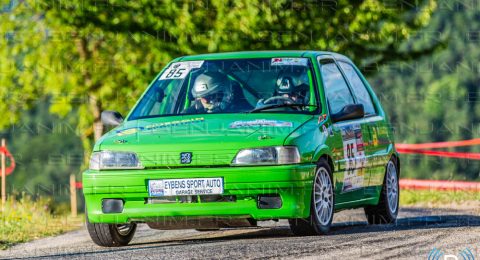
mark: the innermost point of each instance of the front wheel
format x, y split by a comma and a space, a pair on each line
387, 209
111, 235
322, 205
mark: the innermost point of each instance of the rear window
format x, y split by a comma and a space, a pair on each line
359, 89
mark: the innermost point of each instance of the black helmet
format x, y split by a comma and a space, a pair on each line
292, 82
216, 84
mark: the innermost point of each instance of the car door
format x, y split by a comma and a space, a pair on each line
378, 139
348, 147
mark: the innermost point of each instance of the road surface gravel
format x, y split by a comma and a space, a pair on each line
417, 232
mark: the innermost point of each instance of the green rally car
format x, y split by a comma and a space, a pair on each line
226, 140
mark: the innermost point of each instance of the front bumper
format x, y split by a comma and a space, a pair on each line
293, 183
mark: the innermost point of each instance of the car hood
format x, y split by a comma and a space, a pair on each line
212, 139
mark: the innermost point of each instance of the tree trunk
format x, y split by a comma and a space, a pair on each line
95, 104
96, 109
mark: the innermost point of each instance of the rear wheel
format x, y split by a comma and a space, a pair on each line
387, 209
111, 235
322, 205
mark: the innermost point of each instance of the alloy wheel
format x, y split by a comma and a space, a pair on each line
392, 187
124, 229
323, 196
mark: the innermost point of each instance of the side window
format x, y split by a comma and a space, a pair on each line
336, 89
358, 88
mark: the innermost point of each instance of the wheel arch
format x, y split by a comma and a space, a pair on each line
324, 151
397, 162
329, 160
330, 163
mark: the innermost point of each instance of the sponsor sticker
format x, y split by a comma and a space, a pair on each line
129, 131
153, 127
200, 87
180, 70
261, 122
156, 126
289, 61
183, 187
325, 130
374, 136
355, 159
322, 118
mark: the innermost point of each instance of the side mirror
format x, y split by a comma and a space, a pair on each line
352, 111
111, 118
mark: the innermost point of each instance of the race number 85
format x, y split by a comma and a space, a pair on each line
350, 151
175, 73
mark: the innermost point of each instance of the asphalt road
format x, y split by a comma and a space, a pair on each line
417, 232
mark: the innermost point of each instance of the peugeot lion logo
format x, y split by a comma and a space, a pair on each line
186, 158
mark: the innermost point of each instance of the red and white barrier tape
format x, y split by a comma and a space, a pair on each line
470, 142
420, 149
470, 156
411, 184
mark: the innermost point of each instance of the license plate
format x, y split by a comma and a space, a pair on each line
185, 187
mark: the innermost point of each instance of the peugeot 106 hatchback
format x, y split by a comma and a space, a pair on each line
226, 140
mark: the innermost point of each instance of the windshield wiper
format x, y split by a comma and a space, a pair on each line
258, 109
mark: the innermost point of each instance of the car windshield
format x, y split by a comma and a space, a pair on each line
273, 85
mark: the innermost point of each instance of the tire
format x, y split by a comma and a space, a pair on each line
321, 206
111, 235
386, 211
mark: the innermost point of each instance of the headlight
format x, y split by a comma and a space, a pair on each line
109, 160
267, 156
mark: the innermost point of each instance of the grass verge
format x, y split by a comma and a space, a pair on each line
25, 219
438, 199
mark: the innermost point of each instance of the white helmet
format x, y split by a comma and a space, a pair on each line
216, 87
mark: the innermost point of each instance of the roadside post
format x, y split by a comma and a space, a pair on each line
73, 195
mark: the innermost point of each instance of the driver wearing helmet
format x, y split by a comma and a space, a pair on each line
212, 92
291, 88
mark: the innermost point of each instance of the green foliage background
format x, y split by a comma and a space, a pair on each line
46, 149
65, 61
437, 97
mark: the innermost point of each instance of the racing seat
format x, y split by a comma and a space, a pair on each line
241, 102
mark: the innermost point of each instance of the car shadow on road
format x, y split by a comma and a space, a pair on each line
278, 232
407, 223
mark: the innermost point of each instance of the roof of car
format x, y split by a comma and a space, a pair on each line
260, 54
